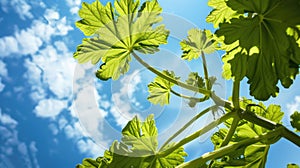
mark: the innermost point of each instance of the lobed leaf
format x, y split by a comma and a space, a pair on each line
265, 54
138, 148
221, 12
295, 121
249, 156
160, 89
198, 41
118, 31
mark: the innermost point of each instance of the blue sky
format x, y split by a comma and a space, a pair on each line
53, 112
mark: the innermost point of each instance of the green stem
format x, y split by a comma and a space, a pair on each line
229, 149
236, 94
187, 125
196, 134
270, 125
189, 97
205, 71
219, 101
170, 79
231, 131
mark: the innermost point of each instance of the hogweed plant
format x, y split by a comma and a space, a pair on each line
261, 42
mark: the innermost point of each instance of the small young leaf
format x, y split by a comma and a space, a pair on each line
160, 89
295, 121
195, 80
198, 41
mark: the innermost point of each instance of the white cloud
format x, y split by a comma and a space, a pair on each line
74, 5
121, 108
88, 146
2, 86
3, 73
294, 106
11, 145
50, 107
53, 128
21, 7
33, 150
8, 45
53, 66
29, 41
51, 15
7, 120
3, 69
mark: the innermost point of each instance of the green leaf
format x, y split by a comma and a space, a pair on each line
160, 89
266, 53
195, 80
249, 156
88, 162
117, 32
94, 16
221, 12
100, 162
295, 121
198, 41
292, 165
138, 148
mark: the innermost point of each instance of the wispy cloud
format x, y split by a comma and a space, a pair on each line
29, 41
21, 7
12, 146
74, 5
122, 100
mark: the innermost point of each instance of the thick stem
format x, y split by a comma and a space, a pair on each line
207, 82
170, 79
187, 125
236, 94
270, 125
228, 149
231, 131
196, 134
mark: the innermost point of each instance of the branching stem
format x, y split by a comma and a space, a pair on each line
187, 125
170, 79
196, 134
228, 149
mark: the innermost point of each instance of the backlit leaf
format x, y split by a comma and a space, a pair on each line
116, 32
295, 121
292, 165
221, 12
254, 155
160, 89
195, 80
198, 41
138, 148
267, 53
